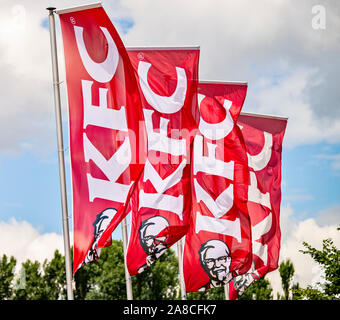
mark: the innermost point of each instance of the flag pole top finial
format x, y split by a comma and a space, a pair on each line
51, 9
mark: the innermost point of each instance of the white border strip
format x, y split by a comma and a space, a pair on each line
263, 115
163, 48
222, 82
79, 8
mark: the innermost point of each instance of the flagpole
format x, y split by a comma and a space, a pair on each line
180, 268
226, 291
128, 281
61, 160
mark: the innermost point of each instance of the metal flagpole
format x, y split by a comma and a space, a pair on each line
60, 146
226, 291
129, 294
180, 268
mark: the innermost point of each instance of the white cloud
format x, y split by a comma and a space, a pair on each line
21, 240
329, 217
294, 233
291, 68
287, 96
25, 85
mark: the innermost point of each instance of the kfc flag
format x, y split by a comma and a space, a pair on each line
218, 243
161, 202
104, 113
263, 137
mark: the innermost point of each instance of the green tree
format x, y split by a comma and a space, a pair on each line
159, 281
46, 281
211, 294
6, 277
286, 270
258, 290
329, 260
54, 277
215, 294
105, 278
295, 288
34, 288
83, 281
102, 279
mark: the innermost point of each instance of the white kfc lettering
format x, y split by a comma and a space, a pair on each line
221, 205
210, 165
257, 231
163, 104
159, 141
119, 162
102, 71
260, 160
254, 193
160, 200
102, 116
257, 163
216, 131
222, 226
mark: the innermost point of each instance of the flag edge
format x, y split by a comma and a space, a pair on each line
136, 48
79, 8
263, 115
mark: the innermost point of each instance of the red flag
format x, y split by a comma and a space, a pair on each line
218, 243
263, 137
162, 200
105, 141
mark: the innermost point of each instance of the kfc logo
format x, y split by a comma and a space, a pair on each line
152, 245
215, 259
102, 221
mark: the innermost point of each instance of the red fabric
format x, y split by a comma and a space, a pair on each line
263, 137
106, 143
218, 243
162, 200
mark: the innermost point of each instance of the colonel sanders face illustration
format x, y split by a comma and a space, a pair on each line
102, 221
215, 259
148, 231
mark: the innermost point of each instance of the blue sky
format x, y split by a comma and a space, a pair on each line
31, 191
30, 185
290, 66
310, 184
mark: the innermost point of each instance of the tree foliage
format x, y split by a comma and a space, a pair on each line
34, 288
6, 276
259, 290
54, 277
329, 260
105, 278
286, 270
160, 281
211, 294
